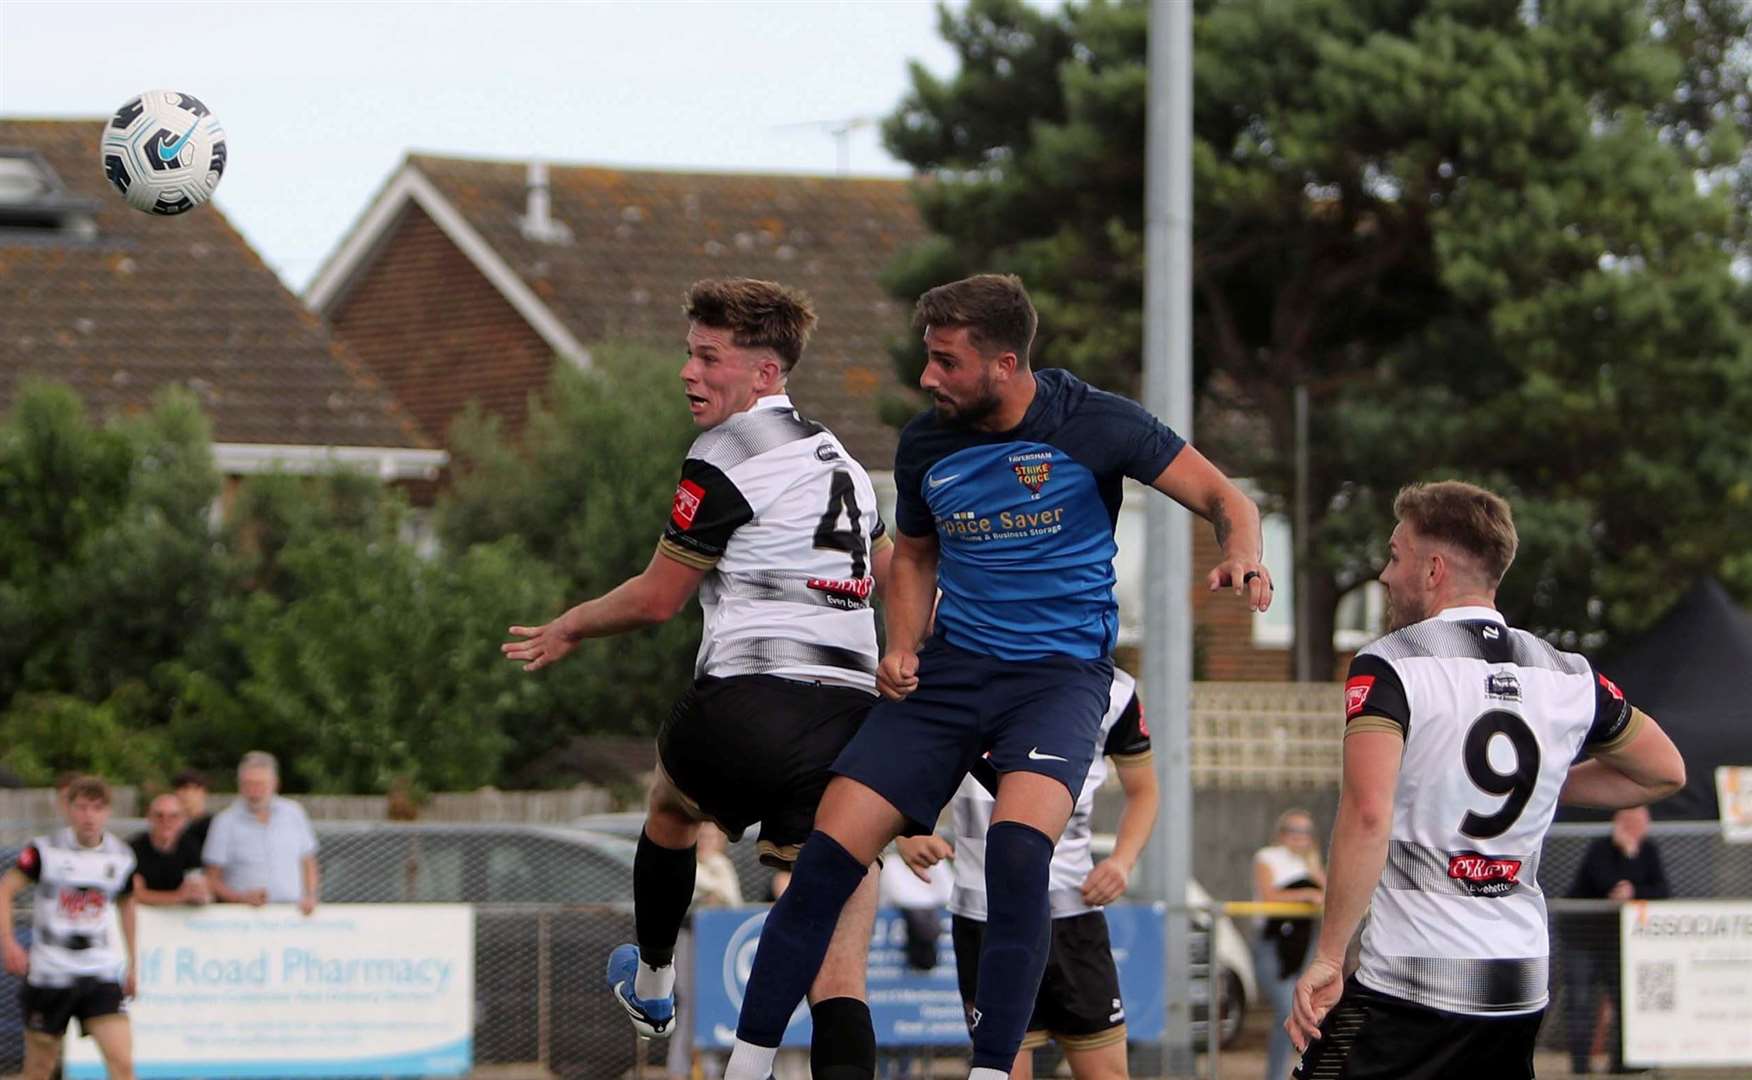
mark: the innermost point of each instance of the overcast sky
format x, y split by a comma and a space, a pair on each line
320, 100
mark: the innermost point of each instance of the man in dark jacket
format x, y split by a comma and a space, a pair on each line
1619, 867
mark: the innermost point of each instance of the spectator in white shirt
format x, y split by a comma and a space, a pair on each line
261, 849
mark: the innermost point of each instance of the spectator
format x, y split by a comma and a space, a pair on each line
1621, 866
715, 885
190, 786
715, 881
260, 849
166, 869
1286, 871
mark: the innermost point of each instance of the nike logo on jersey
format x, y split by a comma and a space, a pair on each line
1034, 754
939, 481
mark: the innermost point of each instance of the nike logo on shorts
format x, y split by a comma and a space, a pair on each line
939, 481
1034, 754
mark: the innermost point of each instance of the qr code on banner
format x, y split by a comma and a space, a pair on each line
1655, 986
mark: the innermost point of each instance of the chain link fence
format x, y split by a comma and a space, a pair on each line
551, 902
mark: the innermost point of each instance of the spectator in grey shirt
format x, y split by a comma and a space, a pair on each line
261, 849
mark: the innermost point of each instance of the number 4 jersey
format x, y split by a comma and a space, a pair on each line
1492, 719
787, 524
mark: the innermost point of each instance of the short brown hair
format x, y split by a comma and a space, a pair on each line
1476, 521
994, 307
189, 778
758, 314
88, 787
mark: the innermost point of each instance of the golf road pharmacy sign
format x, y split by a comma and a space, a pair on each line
352, 990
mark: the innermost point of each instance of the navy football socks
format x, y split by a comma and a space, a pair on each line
1017, 934
795, 938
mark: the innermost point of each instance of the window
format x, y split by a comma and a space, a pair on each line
1361, 612
34, 201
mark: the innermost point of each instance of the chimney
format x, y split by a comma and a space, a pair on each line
538, 222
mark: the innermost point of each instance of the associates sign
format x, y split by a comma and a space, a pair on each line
352, 990
1687, 982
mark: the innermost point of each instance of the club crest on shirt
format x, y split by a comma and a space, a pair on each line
1033, 474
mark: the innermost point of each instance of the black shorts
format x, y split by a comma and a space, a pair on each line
1374, 1036
758, 748
47, 1009
1078, 1005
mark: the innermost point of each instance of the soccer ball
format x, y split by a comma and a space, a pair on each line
164, 152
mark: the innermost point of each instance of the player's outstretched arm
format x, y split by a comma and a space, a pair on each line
1193, 482
1359, 851
653, 596
1645, 769
909, 598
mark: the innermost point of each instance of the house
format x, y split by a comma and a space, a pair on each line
120, 304
466, 279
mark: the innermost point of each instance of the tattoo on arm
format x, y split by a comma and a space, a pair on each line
1220, 522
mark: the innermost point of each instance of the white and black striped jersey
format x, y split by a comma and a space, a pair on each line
786, 522
73, 932
1124, 737
1492, 719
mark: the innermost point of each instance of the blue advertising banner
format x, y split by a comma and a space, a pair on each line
909, 1008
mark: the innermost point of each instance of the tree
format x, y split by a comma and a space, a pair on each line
1474, 233
106, 561
587, 492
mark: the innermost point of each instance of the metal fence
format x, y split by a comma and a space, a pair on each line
552, 902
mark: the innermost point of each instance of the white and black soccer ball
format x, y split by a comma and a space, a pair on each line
164, 151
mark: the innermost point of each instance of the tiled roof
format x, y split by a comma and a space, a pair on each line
639, 238
155, 301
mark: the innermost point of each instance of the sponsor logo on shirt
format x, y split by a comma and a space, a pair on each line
688, 496
848, 594
1356, 694
1502, 685
824, 451
1008, 525
1484, 875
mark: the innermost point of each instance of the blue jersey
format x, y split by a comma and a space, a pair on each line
1024, 518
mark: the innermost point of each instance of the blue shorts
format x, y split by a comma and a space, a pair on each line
1039, 716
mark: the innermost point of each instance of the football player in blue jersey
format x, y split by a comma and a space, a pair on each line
1008, 491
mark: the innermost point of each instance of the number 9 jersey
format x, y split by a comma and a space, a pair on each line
1492, 719
787, 522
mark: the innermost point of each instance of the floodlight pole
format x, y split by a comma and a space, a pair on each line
1168, 536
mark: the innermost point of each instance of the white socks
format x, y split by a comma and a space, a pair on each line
653, 982
750, 1062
